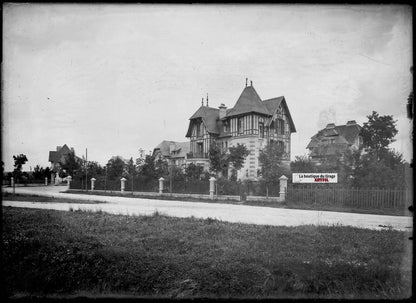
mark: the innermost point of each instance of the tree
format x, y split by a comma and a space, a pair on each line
115, 168
372, 172
142, 156
237, 157
302, 164
94, 169
38, 172
378, 132
193, 172
270, 160
19, 161
148, 169
70, 166
219, 159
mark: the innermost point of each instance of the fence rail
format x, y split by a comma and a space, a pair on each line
351, 197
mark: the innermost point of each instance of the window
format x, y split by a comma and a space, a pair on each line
240, 125
281, 145
198, 129
280, 130
271, 126
261, 129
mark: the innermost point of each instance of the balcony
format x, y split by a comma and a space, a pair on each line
197, 155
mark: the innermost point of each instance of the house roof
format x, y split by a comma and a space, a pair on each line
343, 134
273, 104
209, 117
249, 101
58, 155
180, 149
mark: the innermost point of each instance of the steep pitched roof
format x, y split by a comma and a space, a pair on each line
273, 104
59, 154
342, 134
249, 101
180, 148
209, 117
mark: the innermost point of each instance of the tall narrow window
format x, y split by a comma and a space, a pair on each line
281, 126
240, 125
261, 129
198, 129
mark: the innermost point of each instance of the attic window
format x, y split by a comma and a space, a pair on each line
280, 127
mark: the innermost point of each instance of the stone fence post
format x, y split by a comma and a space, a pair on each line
211, 187
161, 185
93, 183
12, 182
68, 181
46, 180
123, 184
283, 188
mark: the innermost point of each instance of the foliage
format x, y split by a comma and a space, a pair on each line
219, 158
71, 166
303, 164
141, 159
131, 168
19, 161
370, 171
193, 172
237, 157
148, 168
94, 169
270, 161
378, 132
115, 168
40, 173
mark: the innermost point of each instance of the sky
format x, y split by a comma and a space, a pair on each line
116, 78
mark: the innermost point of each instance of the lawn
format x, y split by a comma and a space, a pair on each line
49, 252
33, 198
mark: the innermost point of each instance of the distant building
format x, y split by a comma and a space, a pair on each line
252, 122
174, 152
333, 141
58, 158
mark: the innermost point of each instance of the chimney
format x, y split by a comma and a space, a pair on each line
202, 102
330, 126
246, 81
251, 83
207, 99
58, 148
223, 110
351, 122
172, 147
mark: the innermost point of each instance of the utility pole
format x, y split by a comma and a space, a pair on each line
86, 169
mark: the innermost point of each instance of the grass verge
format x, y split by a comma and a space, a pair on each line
33, 198
66, 253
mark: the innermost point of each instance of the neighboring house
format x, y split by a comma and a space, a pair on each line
333, 141
174, 152
252, 122
57, 159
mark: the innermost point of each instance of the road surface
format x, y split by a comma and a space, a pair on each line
225, 212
